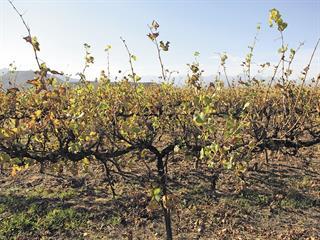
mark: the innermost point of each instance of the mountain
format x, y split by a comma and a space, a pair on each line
19, 78
16, 79
180, 80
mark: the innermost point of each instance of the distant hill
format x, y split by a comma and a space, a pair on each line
17, 79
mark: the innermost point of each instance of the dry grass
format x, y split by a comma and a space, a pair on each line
279, 201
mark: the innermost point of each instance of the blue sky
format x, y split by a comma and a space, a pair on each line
62, 26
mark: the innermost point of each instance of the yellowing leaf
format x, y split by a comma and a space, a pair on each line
56, 122
247, 104
15, 169
38, 113
155, 25
13, 172
85, 161
108, 47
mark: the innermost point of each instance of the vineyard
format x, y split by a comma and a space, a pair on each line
126, 160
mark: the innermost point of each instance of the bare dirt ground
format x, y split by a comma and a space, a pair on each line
280, 200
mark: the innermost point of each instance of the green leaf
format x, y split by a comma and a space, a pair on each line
135, 129
134, 58
137, 78
4, 157
33, 41
258, 26
156, 194
200, 118
228, 164
196, 54
275, 18
156, 191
